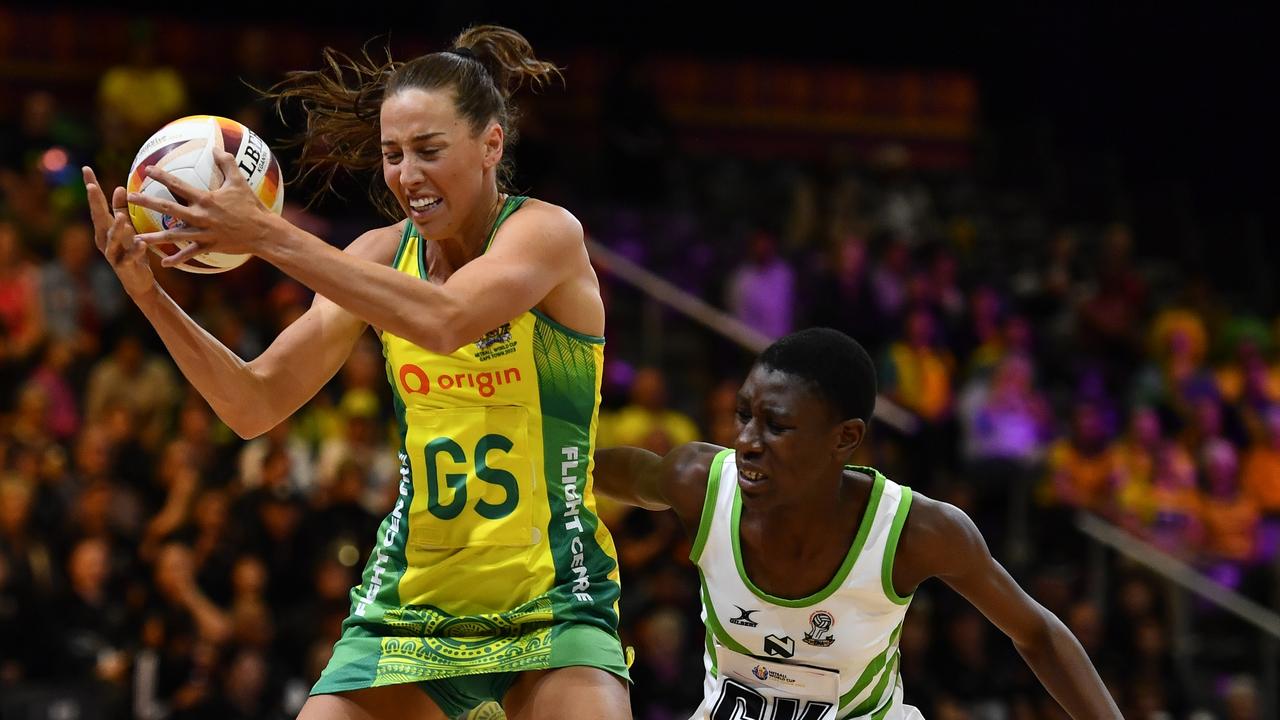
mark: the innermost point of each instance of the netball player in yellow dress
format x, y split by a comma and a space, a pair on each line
491, 577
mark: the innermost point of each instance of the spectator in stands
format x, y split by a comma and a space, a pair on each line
138, 380
1177, 373
29, 425
761, 290
1230, 515
1241, 699
339, 516
1208, 422
663, 662
181, 633
841, 294
722, 413
1136, 454
363, 376
889, 281
129, 461
970, 670
982, 341
363, 441
245, 690
52, 376
917, 371
210, 535
21, 321
1247, 381
1177, 525
1081, 465
301, 465
1007, 425
1150, 676
142, 77
1006, 419
183, 482
95, 626
647, 421
251, 621
28, 582
1261, 481
271, 526
943, 280
318, 617
79, 293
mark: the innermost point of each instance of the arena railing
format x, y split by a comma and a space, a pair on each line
660, 292
1183, 579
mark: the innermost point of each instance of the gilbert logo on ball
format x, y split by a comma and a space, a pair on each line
184, 148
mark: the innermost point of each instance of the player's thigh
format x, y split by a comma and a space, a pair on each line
582, 693
390, 702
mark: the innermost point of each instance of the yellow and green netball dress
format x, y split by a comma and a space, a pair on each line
492, 561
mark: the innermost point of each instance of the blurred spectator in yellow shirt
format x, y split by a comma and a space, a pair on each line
142, 94
1261, 475
647, 421
1136, 456
918, 373
1177, 525
1081, 466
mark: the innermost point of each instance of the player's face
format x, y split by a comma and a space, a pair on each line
790, 442
437, 168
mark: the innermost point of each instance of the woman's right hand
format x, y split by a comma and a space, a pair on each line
114, 234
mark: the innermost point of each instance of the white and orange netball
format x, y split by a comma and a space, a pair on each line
184, 148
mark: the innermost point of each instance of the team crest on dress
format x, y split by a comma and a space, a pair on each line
819, 633
495, 343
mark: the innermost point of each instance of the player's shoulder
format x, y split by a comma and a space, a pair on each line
686, 472
935, 537
546, 222
379, 244
693, 460
932, 515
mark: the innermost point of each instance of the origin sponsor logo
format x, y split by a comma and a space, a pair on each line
413, 379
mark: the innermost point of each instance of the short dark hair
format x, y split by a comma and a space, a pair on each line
835, 366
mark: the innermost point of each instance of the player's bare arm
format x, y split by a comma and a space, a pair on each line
939, 540
677, 481
535, 253
250, 397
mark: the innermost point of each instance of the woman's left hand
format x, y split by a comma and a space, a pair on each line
227, 219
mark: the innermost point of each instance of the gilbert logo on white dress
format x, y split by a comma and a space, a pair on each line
744, 617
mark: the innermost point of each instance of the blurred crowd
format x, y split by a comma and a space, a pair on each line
154, 566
